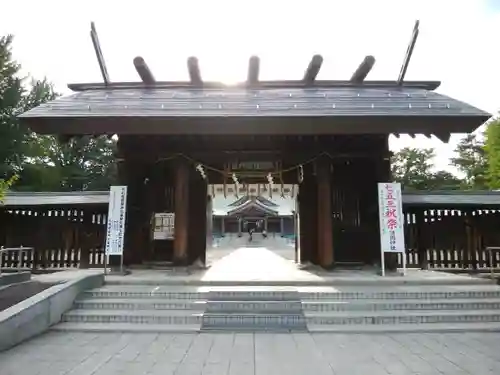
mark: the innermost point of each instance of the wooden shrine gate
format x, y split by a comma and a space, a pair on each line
331, 137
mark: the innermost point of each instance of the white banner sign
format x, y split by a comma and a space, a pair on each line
391, 218
116, 220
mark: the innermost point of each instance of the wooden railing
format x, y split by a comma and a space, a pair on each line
16, 256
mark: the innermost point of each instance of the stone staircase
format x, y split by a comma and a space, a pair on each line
170, 308
253, 310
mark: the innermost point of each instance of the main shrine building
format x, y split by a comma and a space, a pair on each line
327, 139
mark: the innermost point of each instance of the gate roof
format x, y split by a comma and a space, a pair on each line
328, 107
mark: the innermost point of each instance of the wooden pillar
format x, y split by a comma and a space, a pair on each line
181, 212
197, 220
421, 243
210, 222
324, 212
307, 203
82, 238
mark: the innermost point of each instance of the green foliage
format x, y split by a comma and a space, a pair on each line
5, 185
43, 163
16, 141
492, 148
472, 162
412, 167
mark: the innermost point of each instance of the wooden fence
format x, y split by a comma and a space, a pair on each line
451, 238
75, 237
62, 237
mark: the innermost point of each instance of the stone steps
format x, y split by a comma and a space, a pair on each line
401, 317
278, 295
144, 308
405, 328
126, 327
134, 316
401, 305
254, 311
290, 306
254, 321
139, 304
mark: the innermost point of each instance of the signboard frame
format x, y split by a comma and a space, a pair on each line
163, 226
391, 222
115, 233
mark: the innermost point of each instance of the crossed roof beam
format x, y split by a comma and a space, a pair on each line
309, 77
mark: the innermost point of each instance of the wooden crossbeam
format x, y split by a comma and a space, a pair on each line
99, 55
424, 85
144, 71
253, 70
409, 53
443, 137
313, 69
363, 69
194, 71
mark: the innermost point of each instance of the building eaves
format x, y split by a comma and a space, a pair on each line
270, 102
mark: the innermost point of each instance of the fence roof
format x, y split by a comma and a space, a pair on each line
425, 198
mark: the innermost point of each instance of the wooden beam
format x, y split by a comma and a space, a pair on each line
144, 71
409, 52
443, 137
363, 69
253, 70
313, 69
424, 85
99, 55
194, 71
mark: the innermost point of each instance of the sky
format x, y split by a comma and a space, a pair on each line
459, 42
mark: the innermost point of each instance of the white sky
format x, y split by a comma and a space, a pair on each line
458, 42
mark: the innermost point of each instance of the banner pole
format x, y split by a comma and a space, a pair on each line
404, 262
382, 262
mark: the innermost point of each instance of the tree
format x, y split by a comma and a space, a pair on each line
16, 142
5, 185
492, 148
42, 162
412, 167
81, 163
471, 160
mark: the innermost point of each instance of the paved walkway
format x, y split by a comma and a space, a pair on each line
58, 353
264, 264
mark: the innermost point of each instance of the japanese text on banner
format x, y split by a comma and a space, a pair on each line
391, 217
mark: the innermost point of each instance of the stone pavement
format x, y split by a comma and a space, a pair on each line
261, 265
57, 353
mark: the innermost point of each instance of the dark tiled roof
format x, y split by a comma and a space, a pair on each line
252, 204
294, 102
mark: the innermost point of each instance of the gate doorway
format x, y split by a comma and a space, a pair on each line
253, 219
